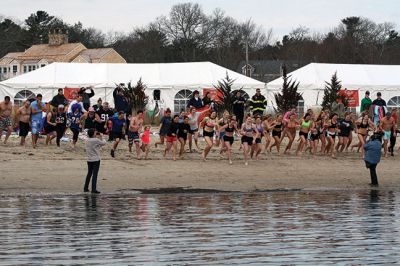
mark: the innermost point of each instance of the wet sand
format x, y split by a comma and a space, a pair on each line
62, 170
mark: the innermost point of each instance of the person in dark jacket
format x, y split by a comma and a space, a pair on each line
238, 107
379, 101
86, 97
59, 99
258, 103
373, 153
120, 101
195, 101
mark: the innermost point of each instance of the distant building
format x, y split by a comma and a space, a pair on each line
57, 50
267, 70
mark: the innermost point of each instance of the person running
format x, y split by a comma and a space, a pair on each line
332, 125
221, 132
353, 122
363, 125
37, 109
75, 119
194, 128
345, 127
172, 137
306, 125
5, 117
257, 146
386, 125
164, 127
103, 115
23, 116
290, 127
118, 128
313, 138
50, 125
93, 145
267, 121
277, 132
248, 138
183, 132
90, 119
145, 138
394, 132
230, 128
135, 127
210, 124
321, 121
61, 123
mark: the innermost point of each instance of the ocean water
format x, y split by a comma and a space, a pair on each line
295, 228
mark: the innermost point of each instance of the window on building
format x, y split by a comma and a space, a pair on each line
15, 69
22, 96
42, 65
394, 102
181, 100
4, 70
29, 68
25, 69
33, 67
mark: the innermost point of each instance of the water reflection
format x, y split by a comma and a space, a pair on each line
359, 227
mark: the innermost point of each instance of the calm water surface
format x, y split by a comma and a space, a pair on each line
312, 228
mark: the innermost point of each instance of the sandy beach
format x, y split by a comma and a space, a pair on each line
62, 170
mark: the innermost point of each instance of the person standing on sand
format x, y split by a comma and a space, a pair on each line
93, 145
386, 125
373, 156
37, 109
5, 117
23, 116
61, 123
135, 127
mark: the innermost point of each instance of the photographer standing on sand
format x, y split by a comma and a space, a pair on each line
93, 145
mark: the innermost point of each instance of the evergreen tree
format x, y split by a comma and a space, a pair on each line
224, 97
331, 93
289, 96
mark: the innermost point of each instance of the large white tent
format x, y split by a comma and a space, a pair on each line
176, 81
374, 78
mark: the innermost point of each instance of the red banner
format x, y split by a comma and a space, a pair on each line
213, 93
351, 97
71, 93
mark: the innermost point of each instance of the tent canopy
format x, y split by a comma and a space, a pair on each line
165, 75
314, 76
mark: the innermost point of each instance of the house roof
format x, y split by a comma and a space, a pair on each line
50, 52
94, 54
8, 58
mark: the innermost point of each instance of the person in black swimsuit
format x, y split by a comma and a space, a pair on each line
230, 127
247, 137
277, 132
332, 125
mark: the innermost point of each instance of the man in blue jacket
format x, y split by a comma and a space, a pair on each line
373, 152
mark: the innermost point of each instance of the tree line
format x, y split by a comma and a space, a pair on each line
188, 34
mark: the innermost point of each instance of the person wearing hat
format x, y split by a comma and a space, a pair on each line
195, 101
373, 156
386, 126
366, 102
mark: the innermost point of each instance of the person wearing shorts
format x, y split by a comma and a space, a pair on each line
183, 132
5, 117
118, 127
386, 125
75, 119
135, 127
37, 109
172, 137
24, 115
248, 139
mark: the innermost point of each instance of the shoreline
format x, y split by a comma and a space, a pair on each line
62, 170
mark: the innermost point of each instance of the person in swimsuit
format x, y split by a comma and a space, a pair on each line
50, 126
183, 132
353, 122
267, 121
230, 128
164, 127
291, 125
321, 121
135, 127
345, 127
210, 123
386, 125
332, 125
221, 132
6, 108
172, 137
145, 138
257, 147
277, 133
363, 125
247, 130
306, 125
194, 126
23, 116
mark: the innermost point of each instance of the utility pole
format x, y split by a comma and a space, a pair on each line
247, 59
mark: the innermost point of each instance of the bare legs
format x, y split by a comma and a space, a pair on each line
209, 145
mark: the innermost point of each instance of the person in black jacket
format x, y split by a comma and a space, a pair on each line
238, 107
59, 99
195, 101
120, 101
258, 103
379, 101
86, 97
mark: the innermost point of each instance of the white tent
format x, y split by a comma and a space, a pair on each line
374, 78
176, 81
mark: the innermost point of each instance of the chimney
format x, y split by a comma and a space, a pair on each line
57, 37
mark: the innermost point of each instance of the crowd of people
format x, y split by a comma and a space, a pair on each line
326, 132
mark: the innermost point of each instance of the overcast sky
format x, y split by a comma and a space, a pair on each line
280, 15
